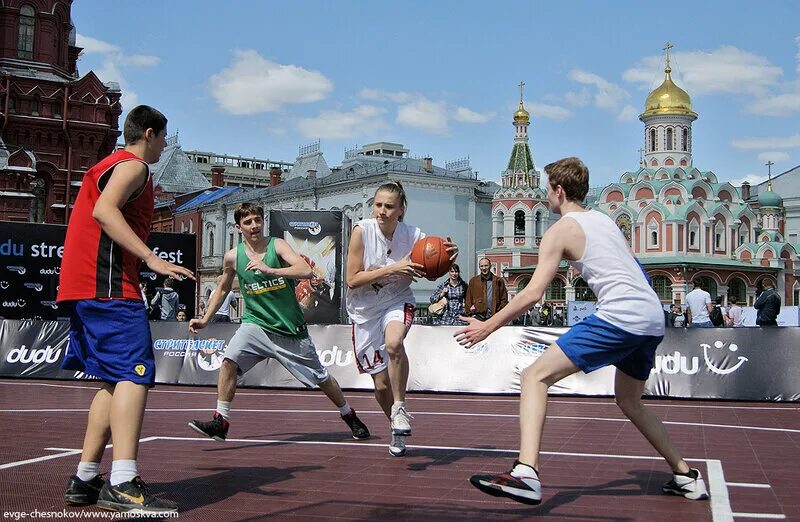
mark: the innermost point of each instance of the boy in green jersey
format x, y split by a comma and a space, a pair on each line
273, 325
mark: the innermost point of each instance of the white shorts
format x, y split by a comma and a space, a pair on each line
369, 339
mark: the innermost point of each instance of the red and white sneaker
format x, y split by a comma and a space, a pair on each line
522, 488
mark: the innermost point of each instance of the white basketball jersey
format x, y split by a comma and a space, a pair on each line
624, 297
371, 301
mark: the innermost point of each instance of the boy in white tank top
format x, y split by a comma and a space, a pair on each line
625, 332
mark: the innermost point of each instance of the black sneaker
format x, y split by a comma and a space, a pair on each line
217, 428
358, 428
527, 490
83, 493
133, 497
691, 486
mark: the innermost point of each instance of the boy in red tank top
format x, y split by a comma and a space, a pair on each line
109, 334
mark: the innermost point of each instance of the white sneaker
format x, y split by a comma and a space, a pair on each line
401, 421
685, 486
397, 448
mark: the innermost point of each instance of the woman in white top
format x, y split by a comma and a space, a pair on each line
380, 302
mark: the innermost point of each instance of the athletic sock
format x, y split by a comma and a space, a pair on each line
397, 405
346, 409
122, 471
692, 474
224, 409
88, 470
524, 471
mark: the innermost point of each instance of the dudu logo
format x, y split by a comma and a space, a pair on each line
335, 356
12, 249
679, 363
25, 356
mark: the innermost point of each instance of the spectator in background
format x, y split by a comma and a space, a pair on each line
454, 288
718, 314
486, 293
699, 306
768, 305
223, 315
167, 300
181, 315
676, 317
735, 314
536, 314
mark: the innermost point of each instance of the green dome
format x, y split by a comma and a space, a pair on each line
769, 198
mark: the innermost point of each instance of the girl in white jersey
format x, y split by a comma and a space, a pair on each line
625, 331
380, 302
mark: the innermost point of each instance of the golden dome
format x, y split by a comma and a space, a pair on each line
668, 98
522, 117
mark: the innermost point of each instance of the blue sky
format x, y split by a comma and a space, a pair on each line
261, 78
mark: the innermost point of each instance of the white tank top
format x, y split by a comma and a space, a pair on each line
371, 301
624, 297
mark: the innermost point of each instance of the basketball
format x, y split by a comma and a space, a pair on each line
430, 252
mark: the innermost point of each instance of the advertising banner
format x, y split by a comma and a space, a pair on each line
30, 264
317, 236
761, 364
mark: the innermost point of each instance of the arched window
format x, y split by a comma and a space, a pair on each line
27, 24
624, 224
652, 234
583, 292
709, 285
522, 284
694, 234
498, 225
669, 139
230, 241
538, 225
652, 140
519, 223
744, 236
685, 141
210, 242
737, 290
663, 287
556, 291
719, 236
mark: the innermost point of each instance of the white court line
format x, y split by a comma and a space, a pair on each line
39, 459
720, 502
747, 485
759, 515
609, 402
436, 413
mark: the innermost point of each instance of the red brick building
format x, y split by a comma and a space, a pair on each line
54, 125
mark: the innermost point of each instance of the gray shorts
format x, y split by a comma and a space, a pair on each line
252, 344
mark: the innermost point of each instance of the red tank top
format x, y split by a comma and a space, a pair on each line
93, 265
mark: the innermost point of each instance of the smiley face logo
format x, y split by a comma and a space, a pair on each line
4, 284
719, 347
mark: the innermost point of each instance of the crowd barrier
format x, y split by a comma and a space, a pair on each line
761, 364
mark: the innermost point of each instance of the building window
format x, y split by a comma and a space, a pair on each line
27, 24
652, 234
498, 225
652, 140
669, 139
663, 287
230, 241
556, 291
737, 290
694, 235
34, 108
12, 105
685, 141
719, 236
583, 292
519, 223
709, 285
538, 224
211, 242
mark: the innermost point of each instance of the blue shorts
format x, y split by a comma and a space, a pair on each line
111, 340
594, 343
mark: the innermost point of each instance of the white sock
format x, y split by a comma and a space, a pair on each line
88, 470
224, 409
524, 471
397, 405
346, 409
122, 471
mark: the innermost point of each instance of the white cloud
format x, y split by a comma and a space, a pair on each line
552, 112
789, 142
606, 95
140, 60
424, 114
335, 125
578, 99
94, 46
253, 84
753, 179
378, 95
723, 70
465, 115
628, 113
780, 105
773, 156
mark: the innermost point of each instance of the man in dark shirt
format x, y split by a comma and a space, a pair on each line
486, 293
768, 305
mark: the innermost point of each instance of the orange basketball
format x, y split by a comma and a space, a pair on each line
431, 254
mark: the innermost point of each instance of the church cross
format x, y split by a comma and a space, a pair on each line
521, 85
667, 47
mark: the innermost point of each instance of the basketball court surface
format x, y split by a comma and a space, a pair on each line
289, 456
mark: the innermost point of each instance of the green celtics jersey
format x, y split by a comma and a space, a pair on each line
269, 300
